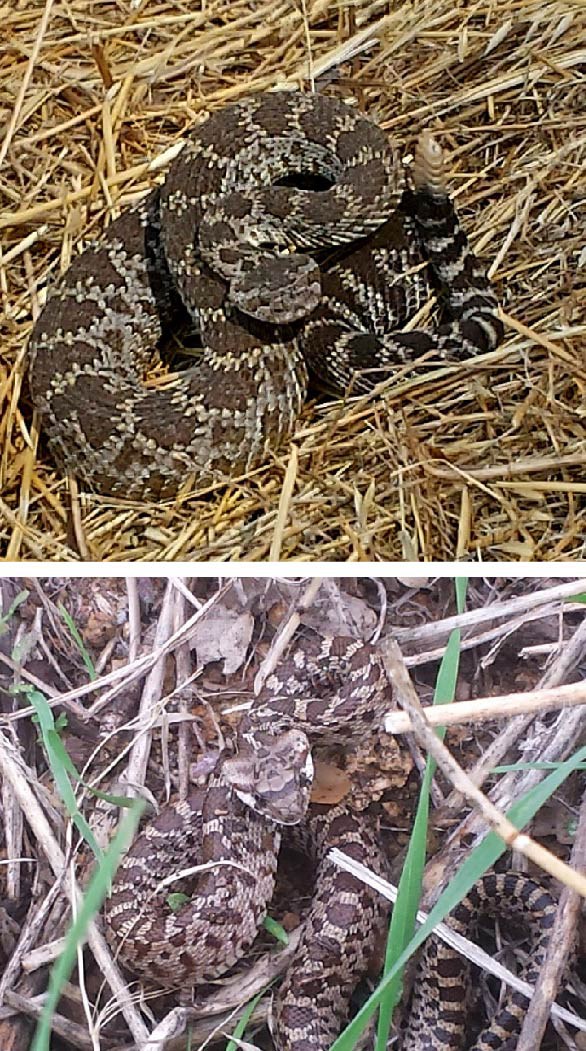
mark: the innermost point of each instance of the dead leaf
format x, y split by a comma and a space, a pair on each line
335, 612
224, 635
330, 784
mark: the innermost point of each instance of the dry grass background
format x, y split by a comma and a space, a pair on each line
483, 461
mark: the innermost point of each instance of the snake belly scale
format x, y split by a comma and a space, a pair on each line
326, 689
230, 238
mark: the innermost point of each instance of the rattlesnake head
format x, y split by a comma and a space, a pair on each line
273, 774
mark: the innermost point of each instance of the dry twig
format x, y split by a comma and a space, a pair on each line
561, 943
492, 816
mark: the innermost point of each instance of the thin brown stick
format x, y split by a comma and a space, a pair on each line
285, 633
13, 770
485, 708
436, 630
183, 673
284, 501
151, 694
561, 943
133, 618
120, 678
41, 31
569, 656
494, 818
31, 1006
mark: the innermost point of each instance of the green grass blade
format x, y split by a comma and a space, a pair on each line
87, 660
90, 905
280, 934
489, 850
405, 908
461, 587
276, 929
240, 1027
59, 763
16, 602
403, 917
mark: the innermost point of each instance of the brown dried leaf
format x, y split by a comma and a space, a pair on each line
330, 784
223, 635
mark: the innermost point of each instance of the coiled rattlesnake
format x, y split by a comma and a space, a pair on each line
241, 234
327, 689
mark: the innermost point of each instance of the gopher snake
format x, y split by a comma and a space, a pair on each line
328, 690
241, 234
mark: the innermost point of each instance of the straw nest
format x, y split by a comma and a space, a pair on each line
480, 461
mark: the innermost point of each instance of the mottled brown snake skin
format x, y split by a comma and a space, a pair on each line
326, 689
278, 279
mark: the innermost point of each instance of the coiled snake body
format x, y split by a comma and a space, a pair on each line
232, 238
328, 689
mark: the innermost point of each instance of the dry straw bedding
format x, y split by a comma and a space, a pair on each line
484, 460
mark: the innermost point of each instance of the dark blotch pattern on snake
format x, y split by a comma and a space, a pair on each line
326, 690
231, 238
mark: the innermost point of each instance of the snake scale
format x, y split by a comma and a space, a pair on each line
282, 228
325, 690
